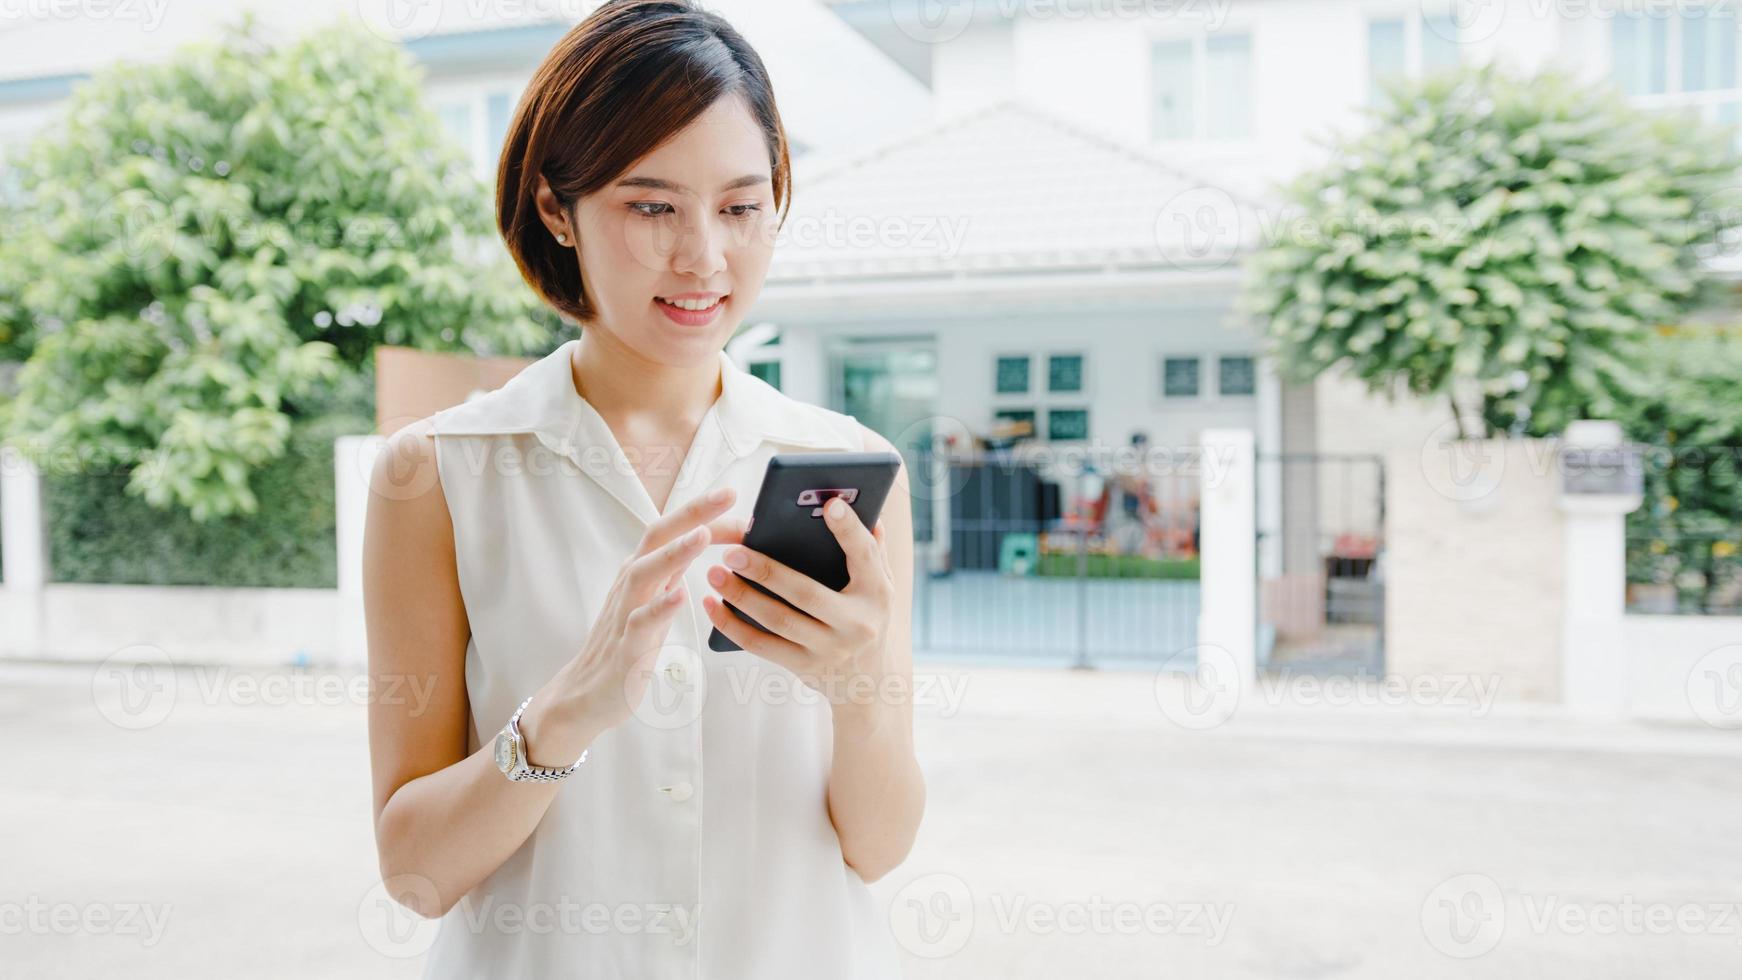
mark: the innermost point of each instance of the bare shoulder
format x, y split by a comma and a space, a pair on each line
405, 470
873, 441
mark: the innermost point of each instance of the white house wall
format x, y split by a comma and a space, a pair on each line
1123, 367
1309, 59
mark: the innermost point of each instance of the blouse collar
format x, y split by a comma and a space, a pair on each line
542, 400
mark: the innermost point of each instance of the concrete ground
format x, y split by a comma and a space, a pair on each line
1080, 824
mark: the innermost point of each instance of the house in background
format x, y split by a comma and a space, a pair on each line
838, 93
1241, 94
1069, 141
1005, 266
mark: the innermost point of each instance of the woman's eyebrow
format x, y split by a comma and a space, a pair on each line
657, 184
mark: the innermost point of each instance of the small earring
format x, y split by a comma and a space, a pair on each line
561, 238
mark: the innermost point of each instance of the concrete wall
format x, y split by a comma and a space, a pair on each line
240, 627
1684, 668
1475, 573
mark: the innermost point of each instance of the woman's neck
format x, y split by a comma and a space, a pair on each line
640, 397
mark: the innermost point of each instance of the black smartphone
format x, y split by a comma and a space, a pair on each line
787, 524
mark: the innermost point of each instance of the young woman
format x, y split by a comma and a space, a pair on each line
590, 791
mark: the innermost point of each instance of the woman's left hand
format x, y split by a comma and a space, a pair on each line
836, 642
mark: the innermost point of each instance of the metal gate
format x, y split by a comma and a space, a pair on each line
1321, 563
1021, 562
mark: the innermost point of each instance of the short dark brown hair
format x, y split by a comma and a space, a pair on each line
622, 82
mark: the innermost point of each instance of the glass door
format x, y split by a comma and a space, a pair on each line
891, 386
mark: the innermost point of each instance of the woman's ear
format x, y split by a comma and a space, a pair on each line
550, 211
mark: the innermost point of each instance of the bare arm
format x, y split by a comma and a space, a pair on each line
876, 789
444, 820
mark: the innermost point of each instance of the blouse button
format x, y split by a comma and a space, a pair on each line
675, 671
679, 792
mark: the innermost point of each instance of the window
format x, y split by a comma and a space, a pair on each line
1179, 377
1060, 403
1067, 423
1064, 372
1022, 415
1228, 94
496, 106
478, 120
11, 182
456, 118
1012, 375
1201, 88
1708, 50
1171, 78
1638, 54
1662, 53
1408, 47
1236, 375
1387, 55
768, 371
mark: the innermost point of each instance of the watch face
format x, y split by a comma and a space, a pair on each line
504, 752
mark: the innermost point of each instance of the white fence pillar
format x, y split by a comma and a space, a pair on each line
1227, 566
23, 556
1596, 498
353, 459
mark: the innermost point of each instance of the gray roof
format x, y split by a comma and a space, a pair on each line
1009, 188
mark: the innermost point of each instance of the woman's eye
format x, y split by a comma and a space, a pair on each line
659, 209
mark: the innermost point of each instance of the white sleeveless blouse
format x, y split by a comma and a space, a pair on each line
695, 840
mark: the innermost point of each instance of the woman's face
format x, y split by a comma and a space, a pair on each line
692, 221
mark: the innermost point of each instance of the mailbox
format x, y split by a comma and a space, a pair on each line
1601, 471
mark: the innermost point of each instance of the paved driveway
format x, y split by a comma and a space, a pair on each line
1074, 829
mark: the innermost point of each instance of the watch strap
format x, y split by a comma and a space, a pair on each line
524, 769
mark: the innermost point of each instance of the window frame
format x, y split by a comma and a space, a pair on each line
1200, 73
1222, 395
1087, 423
475, 95
1039, 398
1414, 21
1082, 357
1001, 355
1167, 398
1673, 50
1209, 377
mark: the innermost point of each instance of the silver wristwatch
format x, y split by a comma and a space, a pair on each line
511, 753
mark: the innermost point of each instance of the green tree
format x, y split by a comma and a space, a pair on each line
1505, 243
1687, 410
200, 246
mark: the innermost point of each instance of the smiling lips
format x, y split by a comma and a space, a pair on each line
691, 309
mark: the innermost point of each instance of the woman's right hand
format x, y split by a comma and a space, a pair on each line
605, 682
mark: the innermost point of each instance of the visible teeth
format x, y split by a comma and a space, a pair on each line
691, 304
